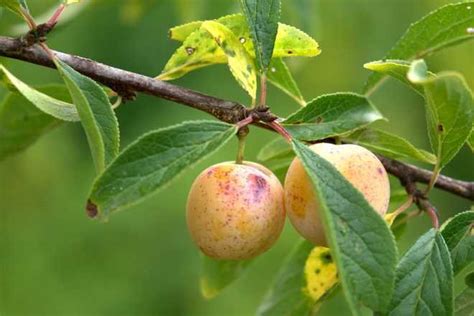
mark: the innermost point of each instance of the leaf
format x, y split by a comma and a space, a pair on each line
424, 284
181, 32
360, 240
397, 69
277, 148
464, 303
331, 115
280, 76
200, 50
320, 274
154, 160
469, 279
389, 145
262, 18
439, 29
458, 234
97, 117
240, 63
218, 274
399, 226
16, 6
287, 295
470, 141
448, 112
21, 123
54, 107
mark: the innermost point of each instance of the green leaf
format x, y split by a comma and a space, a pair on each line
240, 63
424, 283
458, 234
280, 76
450, 104
262, 18
359, 238
390, 145
16, 6
286, 296
397, 69
54, 107
439, 29
154, 160
21, 123
218, 274
97, 116
469, 279
275, 149
199, 49
331, 115
464, 303
470, 141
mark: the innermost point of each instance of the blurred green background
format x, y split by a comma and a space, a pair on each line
55, 261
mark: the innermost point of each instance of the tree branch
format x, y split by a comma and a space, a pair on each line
127, 83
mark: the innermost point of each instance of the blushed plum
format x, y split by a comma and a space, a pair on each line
357, 164
235, 211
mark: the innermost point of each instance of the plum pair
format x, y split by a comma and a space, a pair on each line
237, 211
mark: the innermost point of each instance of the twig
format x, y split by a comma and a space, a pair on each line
399, 169
127, 83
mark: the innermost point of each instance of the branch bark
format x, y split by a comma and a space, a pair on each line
127, 83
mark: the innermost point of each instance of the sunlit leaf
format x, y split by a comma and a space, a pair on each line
390, 145
320, 273
153, 161
240, 63
262, 18
200, 50
181, 32
397, 69
439, 29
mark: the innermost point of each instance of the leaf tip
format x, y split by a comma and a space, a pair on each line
91, 209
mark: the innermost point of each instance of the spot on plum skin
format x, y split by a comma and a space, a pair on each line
259, 186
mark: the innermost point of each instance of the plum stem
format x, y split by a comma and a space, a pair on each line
281, 130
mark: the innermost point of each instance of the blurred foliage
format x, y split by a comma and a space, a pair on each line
55, 261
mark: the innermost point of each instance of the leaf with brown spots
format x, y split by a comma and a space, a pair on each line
206, 51
240, 63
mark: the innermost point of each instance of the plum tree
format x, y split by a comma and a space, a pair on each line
357, 164
235, 211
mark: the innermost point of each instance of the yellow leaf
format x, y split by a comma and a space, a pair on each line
320, 273
240, 63
200, 50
